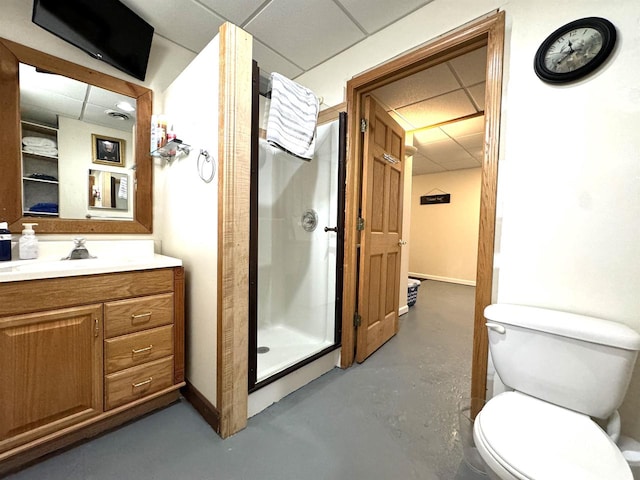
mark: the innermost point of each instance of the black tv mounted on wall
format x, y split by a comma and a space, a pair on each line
106, 29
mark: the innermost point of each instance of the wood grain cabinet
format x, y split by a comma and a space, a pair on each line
80, 355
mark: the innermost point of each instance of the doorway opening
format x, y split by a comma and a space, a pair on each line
487, 32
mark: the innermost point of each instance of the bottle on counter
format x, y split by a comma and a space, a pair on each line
5, 242
28, 244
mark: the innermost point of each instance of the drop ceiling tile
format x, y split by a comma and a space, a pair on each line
429, 135
444, 151
465, 127
477, 93
284, 25
462, 164
32, 80
269, 61
420, 86
53, 102
169, 19
471, 67
470, 142
373, 15
107, 99
402, 121
437, 110
95, 115
477, 153
423, 166
236, 11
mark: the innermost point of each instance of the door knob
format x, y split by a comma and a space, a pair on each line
401, 243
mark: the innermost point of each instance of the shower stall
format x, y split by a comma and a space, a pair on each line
297, 222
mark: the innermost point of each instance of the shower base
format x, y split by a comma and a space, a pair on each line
287, 346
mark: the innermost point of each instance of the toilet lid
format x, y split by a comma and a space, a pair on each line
537, 440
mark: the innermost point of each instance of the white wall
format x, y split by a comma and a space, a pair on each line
444, 237
189, 207
569, 174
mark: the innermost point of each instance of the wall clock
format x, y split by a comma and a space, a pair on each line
575, 50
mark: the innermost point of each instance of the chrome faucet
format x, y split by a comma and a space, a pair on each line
79, 251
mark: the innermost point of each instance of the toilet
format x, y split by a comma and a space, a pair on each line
564, 370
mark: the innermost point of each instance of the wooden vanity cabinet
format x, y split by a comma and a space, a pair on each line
82, 354
51, 373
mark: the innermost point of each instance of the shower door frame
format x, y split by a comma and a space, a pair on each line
253, 384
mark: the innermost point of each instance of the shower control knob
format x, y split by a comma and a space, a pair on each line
331, 229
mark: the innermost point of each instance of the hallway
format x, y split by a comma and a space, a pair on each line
392, 417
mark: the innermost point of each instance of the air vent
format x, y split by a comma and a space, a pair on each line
118, 115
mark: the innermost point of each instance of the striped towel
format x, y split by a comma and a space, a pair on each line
122, 191
293, 114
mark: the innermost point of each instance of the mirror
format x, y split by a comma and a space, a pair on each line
107, 190
95, 93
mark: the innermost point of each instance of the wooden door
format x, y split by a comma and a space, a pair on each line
382, 191
51, 374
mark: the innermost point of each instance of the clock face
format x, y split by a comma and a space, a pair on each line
575, 50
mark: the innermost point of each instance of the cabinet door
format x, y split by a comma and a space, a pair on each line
51, 374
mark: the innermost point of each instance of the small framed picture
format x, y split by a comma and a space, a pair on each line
108, 150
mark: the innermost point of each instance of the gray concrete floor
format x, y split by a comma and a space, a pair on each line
392, 417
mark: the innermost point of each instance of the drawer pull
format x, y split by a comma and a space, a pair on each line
142, 384
140, 315
142, 350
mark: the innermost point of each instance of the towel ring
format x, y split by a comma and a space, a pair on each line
200, 166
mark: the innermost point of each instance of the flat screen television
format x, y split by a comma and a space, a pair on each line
106, 29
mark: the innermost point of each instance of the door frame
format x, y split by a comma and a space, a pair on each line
487, 31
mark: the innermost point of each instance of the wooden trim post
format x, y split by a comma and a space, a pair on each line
234, 154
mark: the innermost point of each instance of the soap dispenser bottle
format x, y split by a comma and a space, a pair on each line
28, 244
5, 242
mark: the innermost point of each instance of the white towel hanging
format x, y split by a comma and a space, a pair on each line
293, 113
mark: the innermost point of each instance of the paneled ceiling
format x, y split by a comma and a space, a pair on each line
293, 36
443, 107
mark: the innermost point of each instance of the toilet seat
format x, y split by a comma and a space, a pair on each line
535, 440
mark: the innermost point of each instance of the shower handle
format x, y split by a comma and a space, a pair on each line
331, 229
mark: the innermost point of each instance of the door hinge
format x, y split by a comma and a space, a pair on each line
360, 224
357, 319
363, 125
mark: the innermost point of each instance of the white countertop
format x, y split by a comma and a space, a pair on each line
120, 257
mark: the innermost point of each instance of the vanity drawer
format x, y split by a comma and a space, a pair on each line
128, 385
133, 315
137, 348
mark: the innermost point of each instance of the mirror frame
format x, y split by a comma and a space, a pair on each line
11, 54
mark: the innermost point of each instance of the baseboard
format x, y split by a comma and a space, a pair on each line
459, 281
204, 407
402, 310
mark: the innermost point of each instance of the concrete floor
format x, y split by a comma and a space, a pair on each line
392, 417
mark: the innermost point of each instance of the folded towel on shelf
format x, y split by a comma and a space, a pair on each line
293, 114
38, 142
43, 176
44, 207
49, 151
122, 191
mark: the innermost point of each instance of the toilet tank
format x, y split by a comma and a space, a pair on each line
578, 362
